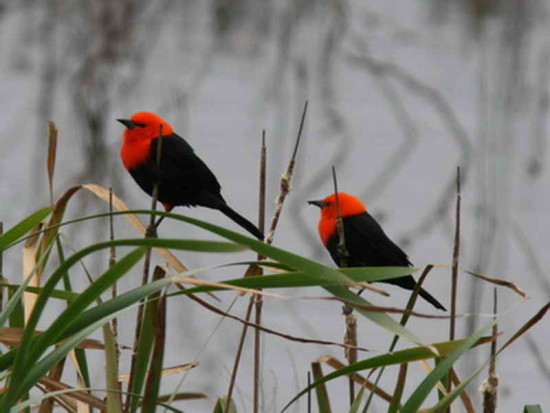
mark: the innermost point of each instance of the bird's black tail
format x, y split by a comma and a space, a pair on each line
242, 221
409, 283
429, 298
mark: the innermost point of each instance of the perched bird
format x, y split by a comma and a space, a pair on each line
183, 178
366, 242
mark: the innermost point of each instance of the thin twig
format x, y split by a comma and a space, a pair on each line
174, 394
350, 336
112, 250
70, 400
308, 392
254, 299
456, 256
286, 181
262, 184
112, 353
466, 400
257, 297
360, 380
403, 322
216, 310
158, 316
150, 233
490, 386
112, 261
321, 389
399, 387
52, 149
343, 253
496, 281
285, 186
391, 310
238, 355
114, 291
530, 323
55, 375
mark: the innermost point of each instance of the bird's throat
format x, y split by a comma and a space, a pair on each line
134, 152
327, 228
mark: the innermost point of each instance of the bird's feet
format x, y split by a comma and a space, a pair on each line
347, 310
151, 232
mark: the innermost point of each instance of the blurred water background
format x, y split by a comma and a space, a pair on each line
400, 94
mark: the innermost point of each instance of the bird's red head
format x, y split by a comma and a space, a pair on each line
349, 205
141, 128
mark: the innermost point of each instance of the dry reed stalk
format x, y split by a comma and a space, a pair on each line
490, 385
150, 233
350, 336
257, 297
30, 251
112, 261
154, 374
403, 322
454, 285
285, 186
360, 380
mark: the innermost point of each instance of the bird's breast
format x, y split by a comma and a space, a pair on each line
327, 228
134, 153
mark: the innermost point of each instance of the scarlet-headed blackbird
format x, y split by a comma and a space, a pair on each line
366, 242
183, 178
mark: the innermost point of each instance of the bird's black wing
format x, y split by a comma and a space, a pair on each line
184, 178
368, 244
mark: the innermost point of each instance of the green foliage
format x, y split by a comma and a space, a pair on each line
27, 363
20, 229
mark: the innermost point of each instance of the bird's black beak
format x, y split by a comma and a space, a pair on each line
316, 203
127, 122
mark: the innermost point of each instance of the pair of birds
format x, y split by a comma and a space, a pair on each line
185, 180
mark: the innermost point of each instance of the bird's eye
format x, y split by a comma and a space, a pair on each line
140, 125
326, 204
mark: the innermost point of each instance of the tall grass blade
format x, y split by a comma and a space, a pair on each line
426, 386
143, 358
297, 279
22, 351
87, 297
13, 309
223, 405
40, 368
532, 408
389, 359
395, 404
23, 227
158, 321
114, 401
81, 362
357, 402
445, 402
30, 270
52, 150
323, 401
317, 271
27, 355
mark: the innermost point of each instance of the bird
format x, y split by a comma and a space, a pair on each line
366, 243
183, 178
